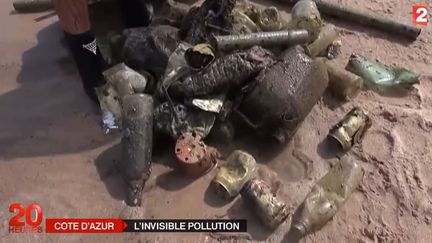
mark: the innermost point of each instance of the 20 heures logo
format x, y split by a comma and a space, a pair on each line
25, 220
420, 14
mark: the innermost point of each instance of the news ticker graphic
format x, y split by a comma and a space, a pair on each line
153, 225
29, 220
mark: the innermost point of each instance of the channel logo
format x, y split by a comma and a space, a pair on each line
25, 220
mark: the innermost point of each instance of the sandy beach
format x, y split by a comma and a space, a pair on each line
54, 152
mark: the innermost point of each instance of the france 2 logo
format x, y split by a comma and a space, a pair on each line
420, 14
29, 224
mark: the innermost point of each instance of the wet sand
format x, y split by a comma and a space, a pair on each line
53, 151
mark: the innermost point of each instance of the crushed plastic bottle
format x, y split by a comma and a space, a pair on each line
329, 194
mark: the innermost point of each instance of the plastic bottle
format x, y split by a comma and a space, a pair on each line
328, 195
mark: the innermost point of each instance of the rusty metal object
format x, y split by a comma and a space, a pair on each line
137, 144
239, 168
284, 94
342, 83
351, 129
325, 38
265, 39
230, 71
271, 210
195, 156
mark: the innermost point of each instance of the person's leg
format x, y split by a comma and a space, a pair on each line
75, 21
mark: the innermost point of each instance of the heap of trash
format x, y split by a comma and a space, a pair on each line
228, 62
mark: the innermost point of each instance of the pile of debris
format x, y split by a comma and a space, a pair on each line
226, 63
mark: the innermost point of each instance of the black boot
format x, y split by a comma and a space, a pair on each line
88, 60
137, 13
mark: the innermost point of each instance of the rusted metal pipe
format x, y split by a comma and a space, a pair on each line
32, 5
364, 18
265, 39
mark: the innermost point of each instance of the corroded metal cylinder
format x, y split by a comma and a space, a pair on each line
239, 168
196, 158
265, 39
271, 210
351, 129
365, 18
32, 5
137, 143
373, 20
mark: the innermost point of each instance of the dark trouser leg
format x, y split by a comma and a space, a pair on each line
74, 19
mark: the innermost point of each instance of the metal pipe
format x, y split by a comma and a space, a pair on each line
32, 5
365, 18
276, 38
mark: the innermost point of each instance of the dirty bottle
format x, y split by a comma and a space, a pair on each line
329, 194
137, 144
380, 77
305, 15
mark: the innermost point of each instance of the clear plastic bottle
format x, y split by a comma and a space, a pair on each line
328, 195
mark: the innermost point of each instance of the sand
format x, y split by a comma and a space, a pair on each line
53, 151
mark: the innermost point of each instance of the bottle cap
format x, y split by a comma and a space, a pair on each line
302, 227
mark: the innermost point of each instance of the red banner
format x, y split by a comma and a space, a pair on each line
85, 225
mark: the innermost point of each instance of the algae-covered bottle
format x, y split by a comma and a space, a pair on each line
329, 194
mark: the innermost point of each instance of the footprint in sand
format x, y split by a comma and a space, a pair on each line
295, 167
378, 144
410, 140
